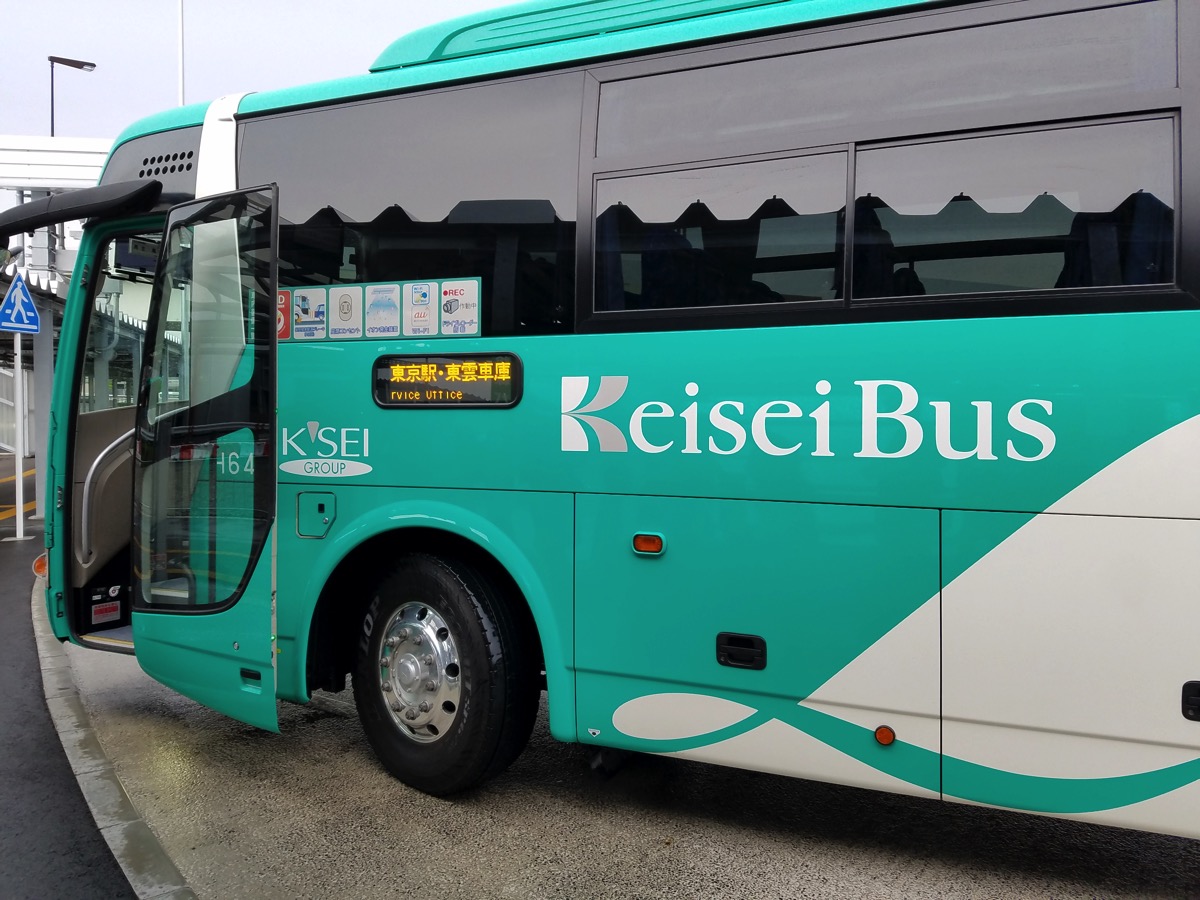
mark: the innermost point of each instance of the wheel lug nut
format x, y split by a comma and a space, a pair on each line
385, 662
424, 707
395, 705
393, 642
387, 687
410, 714
417, 639
431, 685
427, 659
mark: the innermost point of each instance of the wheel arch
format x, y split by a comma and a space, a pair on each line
365, 552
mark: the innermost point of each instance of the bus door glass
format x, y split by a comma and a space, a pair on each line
100, 349
204, 494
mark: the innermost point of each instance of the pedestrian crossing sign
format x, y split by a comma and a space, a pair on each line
18, 311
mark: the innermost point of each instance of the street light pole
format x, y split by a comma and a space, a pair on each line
181, 52
71, 63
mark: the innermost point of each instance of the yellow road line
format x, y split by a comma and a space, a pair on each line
10, 512
14, 477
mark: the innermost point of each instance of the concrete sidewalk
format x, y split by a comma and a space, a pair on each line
151, 873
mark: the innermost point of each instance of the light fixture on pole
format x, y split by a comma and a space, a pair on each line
71, 63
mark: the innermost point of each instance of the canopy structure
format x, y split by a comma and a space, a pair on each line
35, 170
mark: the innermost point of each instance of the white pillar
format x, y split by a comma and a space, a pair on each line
43, 380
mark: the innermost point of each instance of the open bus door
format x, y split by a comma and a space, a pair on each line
140, 579
90, 421
204, 479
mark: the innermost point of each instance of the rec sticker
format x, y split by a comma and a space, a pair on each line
460, 307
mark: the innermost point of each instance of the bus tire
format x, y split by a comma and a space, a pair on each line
445, 688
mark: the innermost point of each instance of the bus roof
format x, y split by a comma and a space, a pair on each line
540, 34
546, 22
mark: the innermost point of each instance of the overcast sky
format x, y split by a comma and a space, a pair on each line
229, 46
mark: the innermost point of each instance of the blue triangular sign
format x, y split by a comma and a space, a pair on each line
18, 311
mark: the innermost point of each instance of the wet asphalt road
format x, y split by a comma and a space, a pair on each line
49, 844
8, 496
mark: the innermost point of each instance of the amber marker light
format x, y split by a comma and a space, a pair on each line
41, 565
886, 735
649, 544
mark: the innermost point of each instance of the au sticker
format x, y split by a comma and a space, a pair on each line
420, 309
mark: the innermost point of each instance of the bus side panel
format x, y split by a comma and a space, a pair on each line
529, 535
813, 586
1066, 650
224, 660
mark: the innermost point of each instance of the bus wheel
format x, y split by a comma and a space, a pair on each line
445, 689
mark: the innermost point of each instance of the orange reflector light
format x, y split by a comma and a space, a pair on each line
41, 565
885, 735
647, 543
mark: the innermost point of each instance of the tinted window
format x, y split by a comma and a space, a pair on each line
762, 232
522, 253
772, 103
1069, 208
477, 182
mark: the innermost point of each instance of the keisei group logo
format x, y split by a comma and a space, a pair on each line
893, 421
323, 451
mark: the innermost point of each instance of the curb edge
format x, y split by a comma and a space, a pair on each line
150, 871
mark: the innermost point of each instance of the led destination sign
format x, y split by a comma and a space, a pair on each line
465, 379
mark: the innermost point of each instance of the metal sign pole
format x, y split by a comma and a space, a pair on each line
19, 444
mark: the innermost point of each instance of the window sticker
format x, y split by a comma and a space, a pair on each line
383, 310
345, 312
309, 307
420, 309
432, 308
460, 307
283, 315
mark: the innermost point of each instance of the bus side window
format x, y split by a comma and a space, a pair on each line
526, 270
1134, 244
760, 232
1077, 207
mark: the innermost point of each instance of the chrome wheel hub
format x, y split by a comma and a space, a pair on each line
419, 674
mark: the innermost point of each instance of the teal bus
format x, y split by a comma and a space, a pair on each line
808, 386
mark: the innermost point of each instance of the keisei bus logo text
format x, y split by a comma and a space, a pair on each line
887, 425
319, 451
